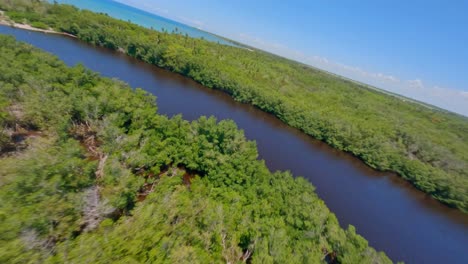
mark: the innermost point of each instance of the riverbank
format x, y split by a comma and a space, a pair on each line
385, 138
7, 22
382, 198
231, 185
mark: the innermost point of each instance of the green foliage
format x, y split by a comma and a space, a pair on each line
39, 24
426, 146
4, 116
77, 192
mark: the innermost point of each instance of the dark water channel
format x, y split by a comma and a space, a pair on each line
405, 223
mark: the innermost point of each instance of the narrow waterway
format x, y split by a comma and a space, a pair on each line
405, 223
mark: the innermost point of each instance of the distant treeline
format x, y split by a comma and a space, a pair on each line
427, 147
90, 173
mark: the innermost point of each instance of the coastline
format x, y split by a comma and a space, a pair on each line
6, 22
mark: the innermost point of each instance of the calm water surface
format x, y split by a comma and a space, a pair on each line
405, 223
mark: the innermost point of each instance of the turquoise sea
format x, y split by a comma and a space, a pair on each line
143, 18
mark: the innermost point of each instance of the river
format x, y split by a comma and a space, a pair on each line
392, 215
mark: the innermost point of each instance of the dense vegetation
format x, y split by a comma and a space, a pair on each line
427, 147
92, 174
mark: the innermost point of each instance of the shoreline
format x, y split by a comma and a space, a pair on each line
5, 22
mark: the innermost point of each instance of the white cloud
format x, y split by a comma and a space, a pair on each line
388, 78
346, 70
319, 59
267, 45
417, 83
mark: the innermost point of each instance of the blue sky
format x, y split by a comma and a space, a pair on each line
415, 48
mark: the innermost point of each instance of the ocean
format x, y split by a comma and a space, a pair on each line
143, 18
